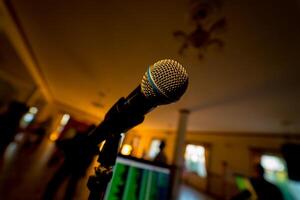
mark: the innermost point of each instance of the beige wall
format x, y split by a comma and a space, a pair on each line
233, 148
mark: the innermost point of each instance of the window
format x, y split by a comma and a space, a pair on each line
28, 117
64, 120
275, 169
195, 159
154, 148
276, 172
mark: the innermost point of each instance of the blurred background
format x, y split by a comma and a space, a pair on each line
63, 64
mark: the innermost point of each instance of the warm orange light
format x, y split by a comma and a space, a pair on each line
54, 136
126, 150
101, 145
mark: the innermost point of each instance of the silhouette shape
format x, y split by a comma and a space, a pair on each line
161, 156
78, 155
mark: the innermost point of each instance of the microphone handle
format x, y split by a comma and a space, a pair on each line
122, 116
137, 104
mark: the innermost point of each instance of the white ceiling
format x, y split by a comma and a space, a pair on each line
98, 51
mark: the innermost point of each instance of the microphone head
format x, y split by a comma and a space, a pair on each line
165, 81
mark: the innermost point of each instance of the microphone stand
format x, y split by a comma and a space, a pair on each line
116, 121
97, 183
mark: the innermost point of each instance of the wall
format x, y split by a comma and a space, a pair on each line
235, 148
13, 73
146, 137
17, 78
232, 148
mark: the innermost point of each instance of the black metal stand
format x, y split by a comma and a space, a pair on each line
97, 184
118, 120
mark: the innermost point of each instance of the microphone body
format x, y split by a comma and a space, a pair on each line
137, 104
123, 115
164, 82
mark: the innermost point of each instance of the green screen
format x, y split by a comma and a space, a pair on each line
133, 180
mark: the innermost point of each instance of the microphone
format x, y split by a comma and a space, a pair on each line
164, 82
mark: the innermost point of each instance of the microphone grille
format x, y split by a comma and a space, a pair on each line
165, 81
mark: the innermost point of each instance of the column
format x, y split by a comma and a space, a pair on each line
179, 145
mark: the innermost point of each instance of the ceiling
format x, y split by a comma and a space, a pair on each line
91, 53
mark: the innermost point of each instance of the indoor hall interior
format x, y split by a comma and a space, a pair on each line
228, 122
